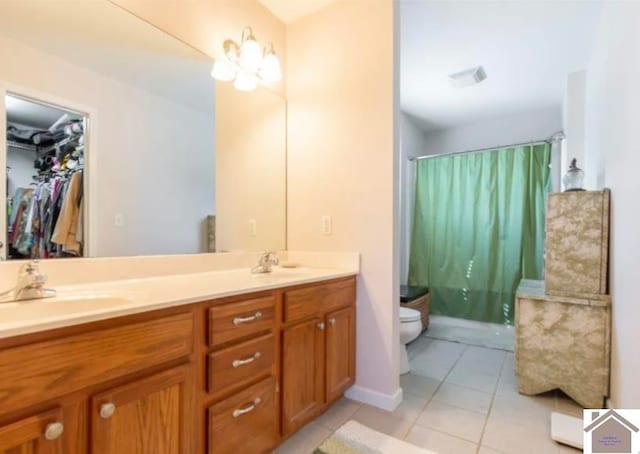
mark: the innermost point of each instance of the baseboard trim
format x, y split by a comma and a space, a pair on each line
369, 396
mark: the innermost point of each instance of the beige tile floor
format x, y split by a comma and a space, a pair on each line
458, 399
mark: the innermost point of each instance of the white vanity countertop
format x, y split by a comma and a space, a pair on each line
77, 304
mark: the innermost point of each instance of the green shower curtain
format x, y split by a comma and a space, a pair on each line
479, 228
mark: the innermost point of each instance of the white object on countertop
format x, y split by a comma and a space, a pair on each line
567, 430
285, 264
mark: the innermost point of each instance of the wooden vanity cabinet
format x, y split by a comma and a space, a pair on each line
318, 352
246, 422
233, 375
242, 399
303, 369
340, 352
149, 415
37, 434
111, 387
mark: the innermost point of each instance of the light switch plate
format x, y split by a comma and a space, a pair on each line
253, 228
327, 225
118, 220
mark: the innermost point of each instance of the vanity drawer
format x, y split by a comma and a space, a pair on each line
318, 299
234, 321
247, 422
241, 363
45, 370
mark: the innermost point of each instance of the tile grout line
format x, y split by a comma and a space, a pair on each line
414, 423
470, 344
493, 398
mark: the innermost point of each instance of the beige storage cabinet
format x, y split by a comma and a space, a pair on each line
563, 343
577, 242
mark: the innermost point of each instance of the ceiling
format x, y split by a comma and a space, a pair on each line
104, 38
526, 48
26, 113
291, 10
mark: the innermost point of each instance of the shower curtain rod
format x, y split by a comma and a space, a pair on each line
558, 136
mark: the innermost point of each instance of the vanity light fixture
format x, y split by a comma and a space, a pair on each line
247, 64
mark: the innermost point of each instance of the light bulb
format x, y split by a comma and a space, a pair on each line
270, 70
245, 81
223, 70
250, 54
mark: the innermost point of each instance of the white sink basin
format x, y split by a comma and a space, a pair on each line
64, 304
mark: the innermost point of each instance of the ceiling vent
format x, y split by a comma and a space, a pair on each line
468, 77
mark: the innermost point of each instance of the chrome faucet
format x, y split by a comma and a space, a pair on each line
30, 284
265, 263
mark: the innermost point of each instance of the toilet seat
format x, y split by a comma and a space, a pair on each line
408, 315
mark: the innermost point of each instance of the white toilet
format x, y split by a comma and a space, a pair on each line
410, 329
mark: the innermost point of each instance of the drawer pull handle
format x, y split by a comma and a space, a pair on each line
107, 410
248, 409
332, 321
242, 362
239, 320
321, 326
53, 431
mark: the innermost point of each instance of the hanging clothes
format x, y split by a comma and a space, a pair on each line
47, 220
23, 224
66, 225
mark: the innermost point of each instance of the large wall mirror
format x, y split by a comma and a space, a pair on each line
116, 141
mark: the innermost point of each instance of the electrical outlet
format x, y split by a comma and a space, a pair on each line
118, 220
253, 230
327, 225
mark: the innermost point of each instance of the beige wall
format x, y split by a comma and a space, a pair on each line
205, 24
250, 169
341, 163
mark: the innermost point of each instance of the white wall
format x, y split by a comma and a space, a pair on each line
342, 162
152, 167
413, 139
613, 159
574, 120
518, 128
22, 169
412, 143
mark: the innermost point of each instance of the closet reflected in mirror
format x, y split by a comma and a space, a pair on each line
108, 111
45, 188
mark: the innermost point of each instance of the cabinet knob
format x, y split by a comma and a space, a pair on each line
321, 326
107, 410
332, 321
53, 431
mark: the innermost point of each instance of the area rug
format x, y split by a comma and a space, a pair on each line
354, 438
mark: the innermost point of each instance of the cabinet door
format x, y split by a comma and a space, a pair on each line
302, 373
40, 434
150, 415
340, 352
